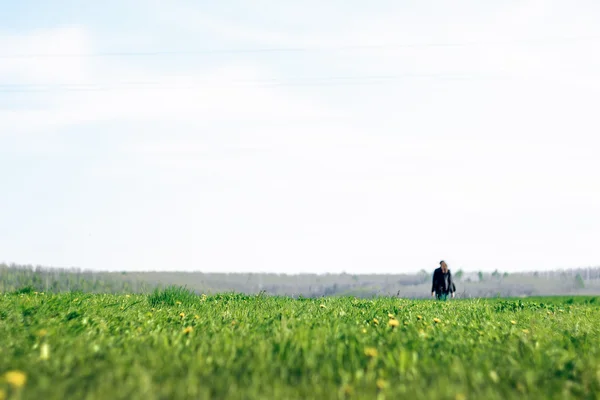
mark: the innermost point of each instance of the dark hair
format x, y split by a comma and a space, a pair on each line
442, 262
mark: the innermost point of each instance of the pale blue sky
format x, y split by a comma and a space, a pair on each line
395, 134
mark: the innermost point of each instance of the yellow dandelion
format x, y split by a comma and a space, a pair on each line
437, 320
322, 306
393, 322
178, 303
391, 316
375, 321
513, 322
419, 317
371, 352
196, 317
187, 330
381, 384
364, 330
128, 295
405, 322
16, 379
44, 351
182, 315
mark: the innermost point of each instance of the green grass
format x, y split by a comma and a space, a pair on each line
260, 347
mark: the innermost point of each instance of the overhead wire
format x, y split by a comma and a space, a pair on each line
306, 82
299, 49
294, 82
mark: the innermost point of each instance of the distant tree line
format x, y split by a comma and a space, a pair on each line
469, 284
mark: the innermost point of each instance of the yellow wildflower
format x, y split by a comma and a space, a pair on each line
322, 306
437, 320
513, 322
182, 315
375, 321
127, 295
187, 330
419, 317
460, 396
381, 384
393, 322
16, 379
196, 317
371, 352
44, 351
525, 331
391, 316
178, 303
364, 330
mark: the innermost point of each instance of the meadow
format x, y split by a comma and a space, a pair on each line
173, 344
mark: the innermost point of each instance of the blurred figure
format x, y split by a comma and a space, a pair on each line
442, 285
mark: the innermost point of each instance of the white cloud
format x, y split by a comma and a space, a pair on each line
107, 90
19, 64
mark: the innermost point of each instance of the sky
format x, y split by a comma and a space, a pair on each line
300, 137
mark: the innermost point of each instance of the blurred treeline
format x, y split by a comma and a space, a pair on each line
469, 284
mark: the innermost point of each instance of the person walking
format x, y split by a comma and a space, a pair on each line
442, 285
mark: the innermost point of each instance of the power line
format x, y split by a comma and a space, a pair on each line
308, 82
541, 41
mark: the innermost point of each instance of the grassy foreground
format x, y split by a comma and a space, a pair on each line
178, 346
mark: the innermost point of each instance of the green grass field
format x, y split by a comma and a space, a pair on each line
174, 345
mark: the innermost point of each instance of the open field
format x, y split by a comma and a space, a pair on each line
177, 345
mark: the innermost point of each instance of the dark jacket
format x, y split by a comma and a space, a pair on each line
442, 283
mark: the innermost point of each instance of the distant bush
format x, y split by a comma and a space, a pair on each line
171, 296
25, 290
